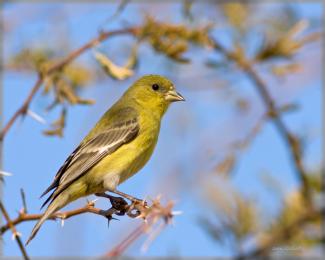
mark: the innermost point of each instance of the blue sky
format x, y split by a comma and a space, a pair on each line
207, 115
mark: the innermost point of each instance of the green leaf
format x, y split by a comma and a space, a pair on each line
286, 45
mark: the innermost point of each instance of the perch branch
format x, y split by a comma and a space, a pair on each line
23, 216
144, 212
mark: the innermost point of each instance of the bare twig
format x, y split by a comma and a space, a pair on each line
58, 66
14, 231
261, 87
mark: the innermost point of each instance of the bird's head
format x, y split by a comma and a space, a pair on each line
154, 92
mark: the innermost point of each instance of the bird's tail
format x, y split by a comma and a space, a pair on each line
57, 204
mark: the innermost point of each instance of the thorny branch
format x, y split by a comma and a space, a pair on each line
273, 112
154, 212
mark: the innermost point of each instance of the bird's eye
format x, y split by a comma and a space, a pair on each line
155, 87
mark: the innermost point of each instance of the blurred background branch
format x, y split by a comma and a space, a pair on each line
272, 111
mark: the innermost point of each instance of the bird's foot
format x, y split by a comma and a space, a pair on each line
134, 200
133, 209
120, 206
118, 203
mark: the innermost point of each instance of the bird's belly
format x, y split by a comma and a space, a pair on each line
123, 163
142, 151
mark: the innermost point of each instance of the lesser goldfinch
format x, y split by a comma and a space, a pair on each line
117, 147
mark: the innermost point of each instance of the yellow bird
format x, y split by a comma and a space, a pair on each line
117, 147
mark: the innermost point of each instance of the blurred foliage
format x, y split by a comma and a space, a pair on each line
293, 210
30, 59
237, 216
173, 40
286, 45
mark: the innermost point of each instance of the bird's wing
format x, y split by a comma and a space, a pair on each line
90, 153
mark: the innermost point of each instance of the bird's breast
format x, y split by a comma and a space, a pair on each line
142, 148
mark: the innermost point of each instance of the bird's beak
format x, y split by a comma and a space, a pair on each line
174, 96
